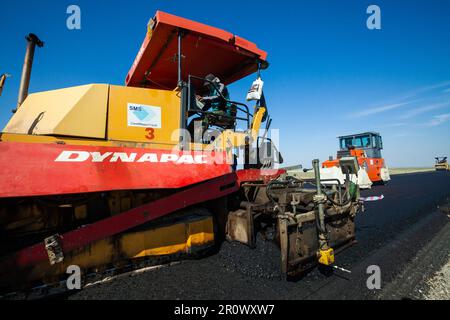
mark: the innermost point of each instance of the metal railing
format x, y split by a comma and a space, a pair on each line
239, 106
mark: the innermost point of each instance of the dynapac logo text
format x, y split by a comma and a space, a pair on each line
84, 156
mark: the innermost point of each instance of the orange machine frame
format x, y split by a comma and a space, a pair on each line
372, 165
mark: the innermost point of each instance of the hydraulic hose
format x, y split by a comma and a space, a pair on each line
349, 199
289, 182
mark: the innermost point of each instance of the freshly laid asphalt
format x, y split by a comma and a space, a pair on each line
390, 233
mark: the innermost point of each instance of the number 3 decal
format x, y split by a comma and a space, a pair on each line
150, 133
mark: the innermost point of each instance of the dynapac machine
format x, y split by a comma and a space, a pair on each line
101, 176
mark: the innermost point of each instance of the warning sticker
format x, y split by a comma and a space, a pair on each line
144, 116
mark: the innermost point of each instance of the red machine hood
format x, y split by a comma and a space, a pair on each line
205, 50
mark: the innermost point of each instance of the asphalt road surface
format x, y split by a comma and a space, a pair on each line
390, 234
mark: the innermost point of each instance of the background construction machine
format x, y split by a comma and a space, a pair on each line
366, 147
441, 164
101, 175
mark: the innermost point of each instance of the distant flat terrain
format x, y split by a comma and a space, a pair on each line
393, 171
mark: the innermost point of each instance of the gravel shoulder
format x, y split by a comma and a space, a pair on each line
439, 284
427, 275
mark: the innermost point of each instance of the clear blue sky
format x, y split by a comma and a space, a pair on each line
329, 74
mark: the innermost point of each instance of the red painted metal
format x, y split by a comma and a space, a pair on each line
30, 169
205, 50
199, 193
33, 168
264, 175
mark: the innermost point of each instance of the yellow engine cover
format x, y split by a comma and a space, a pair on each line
98, 114
109, 115
77, 112
144, 115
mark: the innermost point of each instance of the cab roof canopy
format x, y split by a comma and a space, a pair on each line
360, 135
204, 50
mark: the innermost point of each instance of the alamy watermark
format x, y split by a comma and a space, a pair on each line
73, 282
73, 21
374, 20
374, 280
247, 146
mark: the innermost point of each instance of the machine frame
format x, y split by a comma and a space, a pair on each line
72, 194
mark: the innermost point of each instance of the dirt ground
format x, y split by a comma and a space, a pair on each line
439, 284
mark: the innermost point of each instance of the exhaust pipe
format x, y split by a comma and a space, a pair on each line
33, 41
2, 81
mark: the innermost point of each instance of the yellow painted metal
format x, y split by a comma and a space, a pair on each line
76, 112
173, 239
97, 115
85, 115
200, 234
161, 241
183, 237
229, 139
167, 101
257, 120
326, 257
81, 212
8, 137
442, 166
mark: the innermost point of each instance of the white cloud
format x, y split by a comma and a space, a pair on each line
401, 135
438, 120
396, 124
406, 134
417, 111
401, 101
422, 90
380, 109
